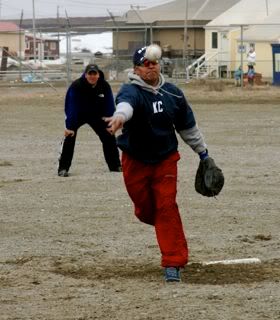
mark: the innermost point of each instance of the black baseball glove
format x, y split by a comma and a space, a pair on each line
209, 179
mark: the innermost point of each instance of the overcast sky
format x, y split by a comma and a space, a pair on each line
11, 9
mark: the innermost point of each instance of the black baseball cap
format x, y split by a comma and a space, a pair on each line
139, 56
92, 68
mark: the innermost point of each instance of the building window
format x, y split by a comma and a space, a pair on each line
214, 40
53, 45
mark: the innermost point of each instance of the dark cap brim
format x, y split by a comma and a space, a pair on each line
91, 68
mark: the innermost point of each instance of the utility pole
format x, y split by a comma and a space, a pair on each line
185, 47
57, 18
241, 49
20, 45
138, 15
68, 50
0, 8
117, 40
41, 51
266, 3
34, 32
241, 55
151, 33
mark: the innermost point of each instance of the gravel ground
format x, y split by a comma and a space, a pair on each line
71, 248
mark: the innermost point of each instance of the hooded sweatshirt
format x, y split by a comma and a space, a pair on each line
86, 103
153, 115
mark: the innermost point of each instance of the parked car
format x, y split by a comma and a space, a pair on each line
167, 66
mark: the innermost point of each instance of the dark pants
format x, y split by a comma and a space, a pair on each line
110, 149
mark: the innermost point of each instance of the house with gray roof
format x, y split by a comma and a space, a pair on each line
178, 26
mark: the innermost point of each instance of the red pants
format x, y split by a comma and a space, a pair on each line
153, 189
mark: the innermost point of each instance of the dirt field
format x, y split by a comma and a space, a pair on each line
71, 248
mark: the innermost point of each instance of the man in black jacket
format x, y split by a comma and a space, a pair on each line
88, 100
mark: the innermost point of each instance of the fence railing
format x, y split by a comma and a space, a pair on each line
114, 69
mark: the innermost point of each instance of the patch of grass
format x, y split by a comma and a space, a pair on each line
218, 86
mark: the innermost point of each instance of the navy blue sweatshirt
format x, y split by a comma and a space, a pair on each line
150, 135
84, 103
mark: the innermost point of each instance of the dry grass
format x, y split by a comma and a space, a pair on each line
200, 91
213, 91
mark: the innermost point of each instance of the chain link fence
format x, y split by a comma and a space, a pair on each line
67, 70
17, 67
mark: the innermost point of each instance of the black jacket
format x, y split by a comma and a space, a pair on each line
84, 103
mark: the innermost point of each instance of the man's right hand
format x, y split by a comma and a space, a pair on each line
114, 123
69, 133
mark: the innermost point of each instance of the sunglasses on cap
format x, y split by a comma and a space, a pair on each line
146, 63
